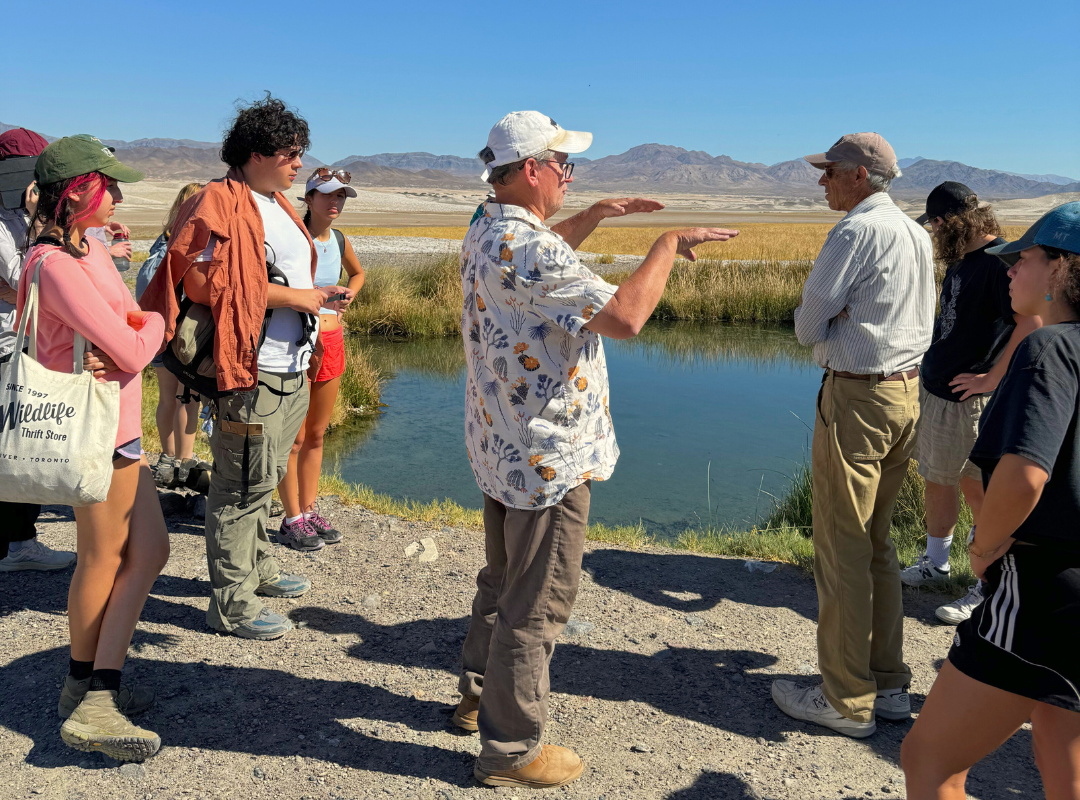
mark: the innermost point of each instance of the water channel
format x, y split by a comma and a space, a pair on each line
712, 420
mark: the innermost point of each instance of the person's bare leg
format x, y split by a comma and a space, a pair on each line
942, 510
309, 459
289, 488
973, 495
961, 722
1055, 734
166, 410
144, 556
186, 425
102, 534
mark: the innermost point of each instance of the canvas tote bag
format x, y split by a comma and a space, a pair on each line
57, 431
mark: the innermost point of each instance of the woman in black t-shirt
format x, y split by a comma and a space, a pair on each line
1013, 660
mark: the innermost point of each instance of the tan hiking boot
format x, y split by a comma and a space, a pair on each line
131, 700
555, 766
97, 726
465, 714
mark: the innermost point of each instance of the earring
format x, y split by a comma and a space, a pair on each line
1049, 297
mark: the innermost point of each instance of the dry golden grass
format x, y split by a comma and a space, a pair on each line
757, 241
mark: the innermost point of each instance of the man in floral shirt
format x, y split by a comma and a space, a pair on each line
538, 428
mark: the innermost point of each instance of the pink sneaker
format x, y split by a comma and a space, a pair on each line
299, 536
322, 526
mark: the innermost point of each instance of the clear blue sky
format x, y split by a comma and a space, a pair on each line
759, 81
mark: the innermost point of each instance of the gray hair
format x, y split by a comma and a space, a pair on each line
877, 181
501, 175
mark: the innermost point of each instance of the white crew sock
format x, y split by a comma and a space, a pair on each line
292, 520
937, 550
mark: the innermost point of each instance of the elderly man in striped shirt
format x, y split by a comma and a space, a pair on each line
868, 310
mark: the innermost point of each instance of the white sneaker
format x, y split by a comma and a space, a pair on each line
924, 572
810, 704
34, 555
893, 704
960, 610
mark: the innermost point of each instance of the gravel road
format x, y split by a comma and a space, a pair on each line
661, 682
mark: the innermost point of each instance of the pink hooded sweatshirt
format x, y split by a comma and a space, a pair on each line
88, 295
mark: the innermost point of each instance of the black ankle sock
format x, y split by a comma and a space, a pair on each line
80, 670
105, 680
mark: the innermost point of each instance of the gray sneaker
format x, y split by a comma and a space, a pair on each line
300, 536
131, 700
97, 726
285, 586
327, 532
924, 572
893, 704
36, 556
268, 625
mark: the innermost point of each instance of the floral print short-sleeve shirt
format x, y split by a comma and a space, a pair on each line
537, 422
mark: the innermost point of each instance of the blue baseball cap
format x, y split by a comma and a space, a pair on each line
1059, 228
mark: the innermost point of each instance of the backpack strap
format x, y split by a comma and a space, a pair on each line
340, 242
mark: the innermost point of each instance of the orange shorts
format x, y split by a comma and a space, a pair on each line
333, 363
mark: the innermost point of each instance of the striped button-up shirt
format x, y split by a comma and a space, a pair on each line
877, 265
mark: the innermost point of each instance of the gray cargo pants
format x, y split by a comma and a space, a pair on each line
237, 544
523, 600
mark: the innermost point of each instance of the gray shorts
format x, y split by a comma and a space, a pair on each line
946, 432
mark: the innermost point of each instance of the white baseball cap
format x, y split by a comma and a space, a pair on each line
523, 134
327, 186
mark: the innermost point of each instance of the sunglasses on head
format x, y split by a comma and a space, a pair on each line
327, 174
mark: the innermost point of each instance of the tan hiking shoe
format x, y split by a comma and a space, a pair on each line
465, 714
131, 700
555, 766
97, 726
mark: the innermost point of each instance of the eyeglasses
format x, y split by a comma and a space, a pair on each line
327, 174
291, 155
567, 167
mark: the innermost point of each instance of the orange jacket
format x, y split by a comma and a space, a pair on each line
237, 273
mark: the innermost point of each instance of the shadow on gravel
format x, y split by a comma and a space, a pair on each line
716, 786
725, 689
690, 583
251, 710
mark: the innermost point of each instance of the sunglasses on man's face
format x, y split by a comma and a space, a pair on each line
327, 174
291, 155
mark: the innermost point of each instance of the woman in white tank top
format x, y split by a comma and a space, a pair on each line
325, 196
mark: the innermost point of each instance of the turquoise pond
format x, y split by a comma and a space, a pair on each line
703, 414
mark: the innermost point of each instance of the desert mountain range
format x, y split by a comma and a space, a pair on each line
645, 168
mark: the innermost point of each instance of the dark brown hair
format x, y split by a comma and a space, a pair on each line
1066, 279
959, 230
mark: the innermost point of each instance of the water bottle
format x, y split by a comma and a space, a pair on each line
122, 264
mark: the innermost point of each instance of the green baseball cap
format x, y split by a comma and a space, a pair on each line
78, 155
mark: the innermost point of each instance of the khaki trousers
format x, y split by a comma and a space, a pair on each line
237, 544
523, 600
864, 435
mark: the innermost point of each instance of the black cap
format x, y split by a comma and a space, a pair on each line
945, 200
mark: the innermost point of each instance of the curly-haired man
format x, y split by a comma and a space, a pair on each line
224, 239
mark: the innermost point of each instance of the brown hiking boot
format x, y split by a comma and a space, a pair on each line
131, 700
465, 714
97, 726
555, 766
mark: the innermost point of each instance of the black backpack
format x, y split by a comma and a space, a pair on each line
190, 354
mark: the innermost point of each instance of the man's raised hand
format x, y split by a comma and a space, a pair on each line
621, 206
689, 238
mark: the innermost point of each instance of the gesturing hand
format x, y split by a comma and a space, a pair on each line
689, 238
971, 383
621, 206
98, 362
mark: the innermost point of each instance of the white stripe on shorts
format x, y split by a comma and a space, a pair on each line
1004, 606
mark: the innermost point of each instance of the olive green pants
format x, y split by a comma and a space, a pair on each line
864, 436
237, 543
524, 596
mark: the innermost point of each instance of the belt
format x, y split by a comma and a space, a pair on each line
896, 376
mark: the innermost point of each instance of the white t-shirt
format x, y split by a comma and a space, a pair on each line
288, 249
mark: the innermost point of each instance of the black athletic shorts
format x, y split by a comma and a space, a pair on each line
1021, 638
